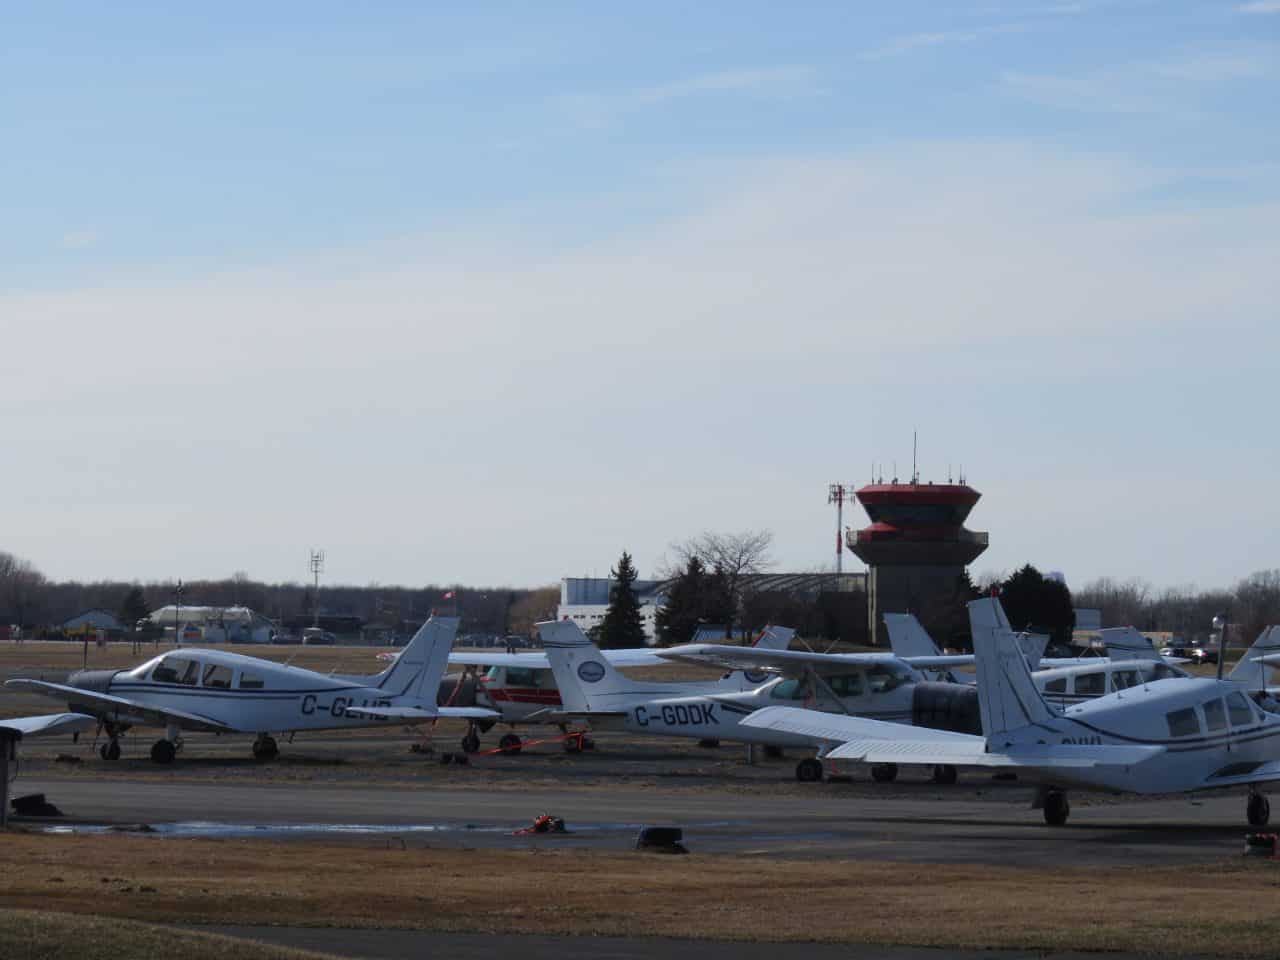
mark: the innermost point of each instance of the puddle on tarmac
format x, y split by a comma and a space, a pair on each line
210, 828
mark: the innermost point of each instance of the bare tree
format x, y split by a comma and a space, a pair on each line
20, 586
730, 556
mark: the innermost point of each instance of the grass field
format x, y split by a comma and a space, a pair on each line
1227, 910
43, 935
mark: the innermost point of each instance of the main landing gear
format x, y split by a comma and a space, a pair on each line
110, 750
264, 748
1056, 807
809, 770
884, 772
945, 773
1258, 809
163, 751
471, 740
510, 743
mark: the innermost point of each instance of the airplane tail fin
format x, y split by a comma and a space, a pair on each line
1257, 676
1126, 643
1007, 696
907, 638
417, 672
774, 638
586, 679
1032, 646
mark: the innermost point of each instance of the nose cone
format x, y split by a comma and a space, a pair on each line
95, 681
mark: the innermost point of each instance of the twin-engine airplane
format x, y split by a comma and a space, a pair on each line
1167, 736
219, 692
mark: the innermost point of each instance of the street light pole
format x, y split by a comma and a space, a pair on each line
1220, 623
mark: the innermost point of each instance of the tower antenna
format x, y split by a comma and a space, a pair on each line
915, 474
837, 493
317, 565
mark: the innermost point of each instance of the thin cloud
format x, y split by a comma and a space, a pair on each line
923, 41
1260, 6
768, 83
79, 239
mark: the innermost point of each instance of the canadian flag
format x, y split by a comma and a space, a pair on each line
450, 595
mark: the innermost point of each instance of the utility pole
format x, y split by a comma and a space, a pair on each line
177, 615
317, 565
837, 493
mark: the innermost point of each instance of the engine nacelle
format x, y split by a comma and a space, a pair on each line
947, 706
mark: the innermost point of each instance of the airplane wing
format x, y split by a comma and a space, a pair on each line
876, 741
49, 723
539, 661
105, 705
796, 662
418, 715
1260, 774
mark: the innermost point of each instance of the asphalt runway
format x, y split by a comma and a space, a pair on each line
396, 944
843, 823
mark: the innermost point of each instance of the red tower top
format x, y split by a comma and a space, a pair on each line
917, 523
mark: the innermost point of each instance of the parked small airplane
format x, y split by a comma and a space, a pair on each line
870, 684
522, 688
220, 692
1166, 736
1256, 668
11, 731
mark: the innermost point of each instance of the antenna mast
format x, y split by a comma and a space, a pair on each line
837, 493
317, 566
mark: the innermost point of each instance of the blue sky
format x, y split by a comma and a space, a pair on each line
488, 294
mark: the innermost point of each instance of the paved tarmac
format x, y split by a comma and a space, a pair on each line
396, 944
927, 825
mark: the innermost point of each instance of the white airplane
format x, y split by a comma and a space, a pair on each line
872, 684
522, 688
1167, 736
1255, 669
1131, 659
220, 692
11, 731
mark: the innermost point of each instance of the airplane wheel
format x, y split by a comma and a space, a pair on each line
510, 743
110, 750
1259, 810
945, 773
809, 770
471, 742
265, 748
162, 751
884, 772
1056, 808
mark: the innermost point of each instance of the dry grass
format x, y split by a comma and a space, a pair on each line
574, 892
40, 935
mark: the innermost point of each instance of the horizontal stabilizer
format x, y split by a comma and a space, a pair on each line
48, 724
418, 715
1034, 757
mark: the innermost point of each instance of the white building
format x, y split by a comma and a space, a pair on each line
584, 600
217, 624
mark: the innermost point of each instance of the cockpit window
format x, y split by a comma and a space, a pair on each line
1239, 709
1091, 684
1056, 685
1215, 714
176, 670
787, 690
884, 677
848, 685
217, 676
521, 677
1123, 679
251, 681
1183, 723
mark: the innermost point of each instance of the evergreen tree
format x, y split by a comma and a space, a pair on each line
1034, 603
133, 608
622, 625
685, 607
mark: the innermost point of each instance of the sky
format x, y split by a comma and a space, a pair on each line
488, 293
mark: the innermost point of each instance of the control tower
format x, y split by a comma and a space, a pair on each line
916, 546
